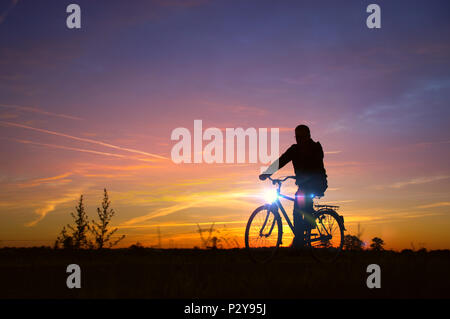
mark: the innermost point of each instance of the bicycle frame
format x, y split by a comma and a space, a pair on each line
279, 205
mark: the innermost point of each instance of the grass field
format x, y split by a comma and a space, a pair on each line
183, 273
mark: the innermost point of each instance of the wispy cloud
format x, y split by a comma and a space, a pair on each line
419, 180
92, 167
333, 152
340, 164
381, 216
195, 200
83, 150
413, 181
50, 206
338, 201
39, 111
40, 181
432, 143
438, 204
186, 224
82, 139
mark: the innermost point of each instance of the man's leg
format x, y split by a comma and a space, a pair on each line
308, 212
299, 224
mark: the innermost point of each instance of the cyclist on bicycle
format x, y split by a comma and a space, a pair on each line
311, 178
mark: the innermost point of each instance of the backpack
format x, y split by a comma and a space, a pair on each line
315, 170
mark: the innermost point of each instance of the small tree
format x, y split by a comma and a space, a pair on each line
64, 239
377, 244
78, 239
102, 235
352, 243
81, 227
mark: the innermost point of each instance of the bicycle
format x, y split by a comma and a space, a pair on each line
264, 231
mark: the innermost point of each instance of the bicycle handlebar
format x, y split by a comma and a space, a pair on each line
279, 181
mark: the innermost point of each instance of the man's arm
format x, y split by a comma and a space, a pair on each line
285, 158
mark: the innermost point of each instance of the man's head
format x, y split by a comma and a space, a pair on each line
302, 133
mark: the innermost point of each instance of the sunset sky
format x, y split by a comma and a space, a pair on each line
81, 110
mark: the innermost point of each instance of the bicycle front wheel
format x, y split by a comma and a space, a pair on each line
327, 239
263, 234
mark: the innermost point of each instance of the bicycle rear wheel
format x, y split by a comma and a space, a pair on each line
327, 239
263, 234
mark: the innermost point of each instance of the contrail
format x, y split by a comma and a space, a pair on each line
82, 139
36, 110
193, 200
81, 150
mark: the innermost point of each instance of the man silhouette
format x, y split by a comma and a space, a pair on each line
311, 179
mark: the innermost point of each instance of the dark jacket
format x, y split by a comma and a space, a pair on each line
307, 159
